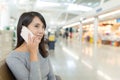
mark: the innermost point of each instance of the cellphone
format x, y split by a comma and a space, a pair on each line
24, 33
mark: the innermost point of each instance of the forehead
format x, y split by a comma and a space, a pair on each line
37, 21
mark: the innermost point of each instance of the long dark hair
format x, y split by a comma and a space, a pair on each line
24, 20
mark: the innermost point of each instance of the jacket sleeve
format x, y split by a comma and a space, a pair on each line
51, 75
21, 72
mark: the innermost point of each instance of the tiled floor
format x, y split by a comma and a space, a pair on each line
74, 62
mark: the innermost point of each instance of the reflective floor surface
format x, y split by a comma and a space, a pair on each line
73, 61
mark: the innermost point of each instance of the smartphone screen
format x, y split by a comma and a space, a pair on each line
24, 33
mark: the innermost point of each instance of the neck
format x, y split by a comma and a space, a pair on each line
22, 48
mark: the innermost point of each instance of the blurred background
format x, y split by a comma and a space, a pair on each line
82, 36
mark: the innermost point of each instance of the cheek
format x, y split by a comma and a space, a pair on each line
40, 32
43, 32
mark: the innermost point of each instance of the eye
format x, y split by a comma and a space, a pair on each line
36, 26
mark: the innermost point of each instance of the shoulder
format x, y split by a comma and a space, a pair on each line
15, 53
12, 54
15, 56
10, 57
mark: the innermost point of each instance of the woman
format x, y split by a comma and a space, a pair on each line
29, 61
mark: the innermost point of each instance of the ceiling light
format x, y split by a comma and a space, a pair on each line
109, 14
71, 25
89, 3
70, 1
75, 7
45, 4
23, 1
88, 20
96, 4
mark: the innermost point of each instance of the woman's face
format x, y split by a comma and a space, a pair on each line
37, 28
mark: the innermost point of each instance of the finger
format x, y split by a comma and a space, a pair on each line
29, 38
36, 40
33, 38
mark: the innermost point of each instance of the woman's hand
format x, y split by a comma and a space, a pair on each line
33, 45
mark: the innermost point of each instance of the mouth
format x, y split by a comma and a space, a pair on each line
39, 36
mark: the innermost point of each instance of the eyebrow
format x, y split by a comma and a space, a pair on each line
40, 24
37, 24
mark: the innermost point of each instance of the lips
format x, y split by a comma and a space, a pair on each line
39, 36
